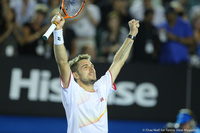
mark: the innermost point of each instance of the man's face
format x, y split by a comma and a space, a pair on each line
86, 72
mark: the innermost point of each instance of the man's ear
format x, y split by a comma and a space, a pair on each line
76, 76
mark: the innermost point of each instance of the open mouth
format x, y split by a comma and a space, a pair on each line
92, 74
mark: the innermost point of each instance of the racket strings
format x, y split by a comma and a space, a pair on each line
72, 7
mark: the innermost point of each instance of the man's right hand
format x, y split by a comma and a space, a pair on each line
59, 20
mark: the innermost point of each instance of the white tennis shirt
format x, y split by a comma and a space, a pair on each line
87, 111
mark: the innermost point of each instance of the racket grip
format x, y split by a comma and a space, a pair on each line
49, 31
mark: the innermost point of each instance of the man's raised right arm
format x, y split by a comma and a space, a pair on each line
60, 52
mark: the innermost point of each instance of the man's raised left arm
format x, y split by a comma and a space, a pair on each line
123, 53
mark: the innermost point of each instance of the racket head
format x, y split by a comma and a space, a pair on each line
71, 8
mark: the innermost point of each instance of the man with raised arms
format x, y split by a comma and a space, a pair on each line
83, 96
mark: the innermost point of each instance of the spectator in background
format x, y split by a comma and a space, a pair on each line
52, 4
178, 7
34, 45
194, 10
89, 49
179, 37
70, 44
42, 1
122, 6
112, 38
195, 50
138, 8
147, 41
24, 10
85, 25
4, 4
187, 121
105, 7
165, 2
10, 35
196, 28
92, 51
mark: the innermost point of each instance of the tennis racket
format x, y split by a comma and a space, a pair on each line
71, 9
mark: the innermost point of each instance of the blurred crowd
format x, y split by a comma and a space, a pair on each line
169, 30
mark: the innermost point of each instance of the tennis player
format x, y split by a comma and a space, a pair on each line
83, 96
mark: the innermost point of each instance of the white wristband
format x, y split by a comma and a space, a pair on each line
58, 37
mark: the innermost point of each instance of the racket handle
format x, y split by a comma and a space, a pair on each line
49, 31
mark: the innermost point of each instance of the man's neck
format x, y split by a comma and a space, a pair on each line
89, 88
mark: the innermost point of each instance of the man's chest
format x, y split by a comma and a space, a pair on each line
92, 100
91, 107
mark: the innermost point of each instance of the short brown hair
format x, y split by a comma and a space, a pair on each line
74, 62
